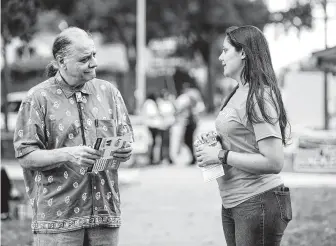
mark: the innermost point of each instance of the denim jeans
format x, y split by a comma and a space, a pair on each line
100, 236
261, 220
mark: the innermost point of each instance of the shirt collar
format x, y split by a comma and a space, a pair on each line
69, 90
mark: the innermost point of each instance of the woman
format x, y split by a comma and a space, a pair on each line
256, 205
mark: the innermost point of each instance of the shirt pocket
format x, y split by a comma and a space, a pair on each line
69, 137
105, 128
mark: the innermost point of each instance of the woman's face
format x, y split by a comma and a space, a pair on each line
232, 60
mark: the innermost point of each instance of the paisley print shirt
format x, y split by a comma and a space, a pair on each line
54, 115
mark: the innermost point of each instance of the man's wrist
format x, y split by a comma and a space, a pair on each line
63, 154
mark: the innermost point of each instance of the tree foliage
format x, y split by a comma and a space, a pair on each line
18, 18
298, 16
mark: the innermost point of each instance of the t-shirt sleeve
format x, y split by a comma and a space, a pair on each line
29, 133
264, 129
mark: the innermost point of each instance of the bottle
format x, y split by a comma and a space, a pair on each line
214, 171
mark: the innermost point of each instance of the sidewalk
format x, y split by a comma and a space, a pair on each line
171, 206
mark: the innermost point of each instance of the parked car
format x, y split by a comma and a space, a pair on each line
14, 100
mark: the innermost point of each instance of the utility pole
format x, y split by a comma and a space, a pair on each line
140, 90
326, 110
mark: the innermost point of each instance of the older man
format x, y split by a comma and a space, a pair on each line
57, 127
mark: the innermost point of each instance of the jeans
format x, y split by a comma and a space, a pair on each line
154, 132
100, 236
165, 145
261, 220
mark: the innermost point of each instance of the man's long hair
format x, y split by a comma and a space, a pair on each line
259, 73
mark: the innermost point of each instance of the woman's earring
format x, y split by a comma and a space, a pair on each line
243, 55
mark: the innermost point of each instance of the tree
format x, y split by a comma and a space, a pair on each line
298, 16
18, 18
197, 23
209, 19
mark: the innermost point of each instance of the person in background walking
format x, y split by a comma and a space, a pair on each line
189, 105
256, 205
167, 111
153, 120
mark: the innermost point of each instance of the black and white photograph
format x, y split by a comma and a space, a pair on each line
220, 116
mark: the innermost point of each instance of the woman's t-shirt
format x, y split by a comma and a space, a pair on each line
240, 135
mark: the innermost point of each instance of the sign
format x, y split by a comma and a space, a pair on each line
316, 154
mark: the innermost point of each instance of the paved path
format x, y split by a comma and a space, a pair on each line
171, 206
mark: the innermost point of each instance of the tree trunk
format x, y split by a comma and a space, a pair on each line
129, 84
6, 83
129, 89
211, 79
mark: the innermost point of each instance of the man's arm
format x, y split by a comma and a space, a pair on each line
49, 159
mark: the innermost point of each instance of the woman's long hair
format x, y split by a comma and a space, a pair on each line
258, 72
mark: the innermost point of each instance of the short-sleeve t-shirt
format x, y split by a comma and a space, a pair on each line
240, 135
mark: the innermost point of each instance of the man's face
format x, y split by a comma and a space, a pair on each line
81, 62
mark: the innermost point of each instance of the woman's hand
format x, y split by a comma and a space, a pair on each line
207, 155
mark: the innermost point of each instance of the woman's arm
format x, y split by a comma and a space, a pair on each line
270, 159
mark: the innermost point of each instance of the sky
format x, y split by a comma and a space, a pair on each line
289, 48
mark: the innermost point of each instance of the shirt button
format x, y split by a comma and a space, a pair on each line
82, 108
96, 208
94, 187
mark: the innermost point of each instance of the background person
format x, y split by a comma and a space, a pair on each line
167, 112
6, 187
153, 120
189, 105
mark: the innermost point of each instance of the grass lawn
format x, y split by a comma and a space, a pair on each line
313, 224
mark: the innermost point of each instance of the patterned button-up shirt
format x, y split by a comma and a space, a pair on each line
55, 115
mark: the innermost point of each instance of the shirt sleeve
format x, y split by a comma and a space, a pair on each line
264, 129
29, 133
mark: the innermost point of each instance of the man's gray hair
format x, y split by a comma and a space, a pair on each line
62, 46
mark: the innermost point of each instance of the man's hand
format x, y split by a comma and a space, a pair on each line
82, 155
123, 154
